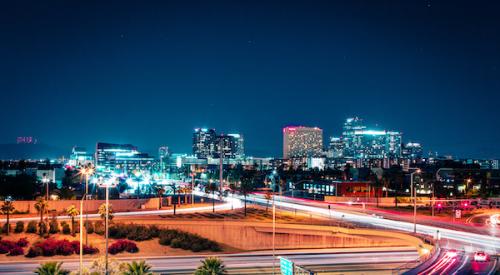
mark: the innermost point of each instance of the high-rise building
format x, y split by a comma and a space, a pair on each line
362, 143
121, 158
335, 148
239, 145
412, 150
163, 155
300, 142
207, 144
204, 142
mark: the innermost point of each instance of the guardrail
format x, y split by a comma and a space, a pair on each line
421, 263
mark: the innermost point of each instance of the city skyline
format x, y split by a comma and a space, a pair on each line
148, 75
366, 129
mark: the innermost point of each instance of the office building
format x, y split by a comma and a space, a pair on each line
121, 158
79, 156
204, 142
362, 143
302, 142
412, 151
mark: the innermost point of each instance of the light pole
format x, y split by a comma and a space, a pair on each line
274, 233
192, 188
87, 171
46, 181
414, 192
107, 185
81, 233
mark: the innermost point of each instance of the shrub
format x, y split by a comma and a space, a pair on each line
154, 231
118, 231
90, 250
53, 227
187, 241
66, 230
8, 244
22, 242
4, 228
99, 228
34, 251
19, 227
42, 228
16, 251
89, 226
121, 246
138, 233
31, 228
4, 249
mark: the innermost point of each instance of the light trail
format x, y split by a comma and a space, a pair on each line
465, 237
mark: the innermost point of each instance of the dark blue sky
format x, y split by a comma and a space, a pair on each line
147, 73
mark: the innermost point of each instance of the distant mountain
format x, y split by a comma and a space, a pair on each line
30, 151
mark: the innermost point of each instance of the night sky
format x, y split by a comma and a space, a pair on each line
147, 73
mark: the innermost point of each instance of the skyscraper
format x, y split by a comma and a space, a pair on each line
300, 141
204, 142
362, 143
207, 144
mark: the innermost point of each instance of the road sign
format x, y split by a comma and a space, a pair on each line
286, 266
458, 214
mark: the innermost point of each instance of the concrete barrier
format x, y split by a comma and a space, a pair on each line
258, 235
60, 206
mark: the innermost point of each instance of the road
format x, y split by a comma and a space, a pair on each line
376, 262
466, 243
229, 203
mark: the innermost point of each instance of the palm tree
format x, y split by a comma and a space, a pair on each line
211, 188
246, 186
72, 212
41, 205
137, 268
102, 211
7, 208
51, 268
211, 266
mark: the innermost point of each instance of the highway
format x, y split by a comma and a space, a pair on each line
376, 262
466, 243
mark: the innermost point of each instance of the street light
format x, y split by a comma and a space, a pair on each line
46, 181
107, 184
414, 192
87, 171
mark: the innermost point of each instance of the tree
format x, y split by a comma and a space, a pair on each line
268, 197
211, 188
7, 208
102, 211
51, 268
211, 266
246, 186
72, 212
137, 268
41, 205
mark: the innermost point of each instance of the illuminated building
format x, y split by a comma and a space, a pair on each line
163, 154
302, 142
79, 156
412, 150
121, 158
204, 142
362, 143
335, 148
207, 144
